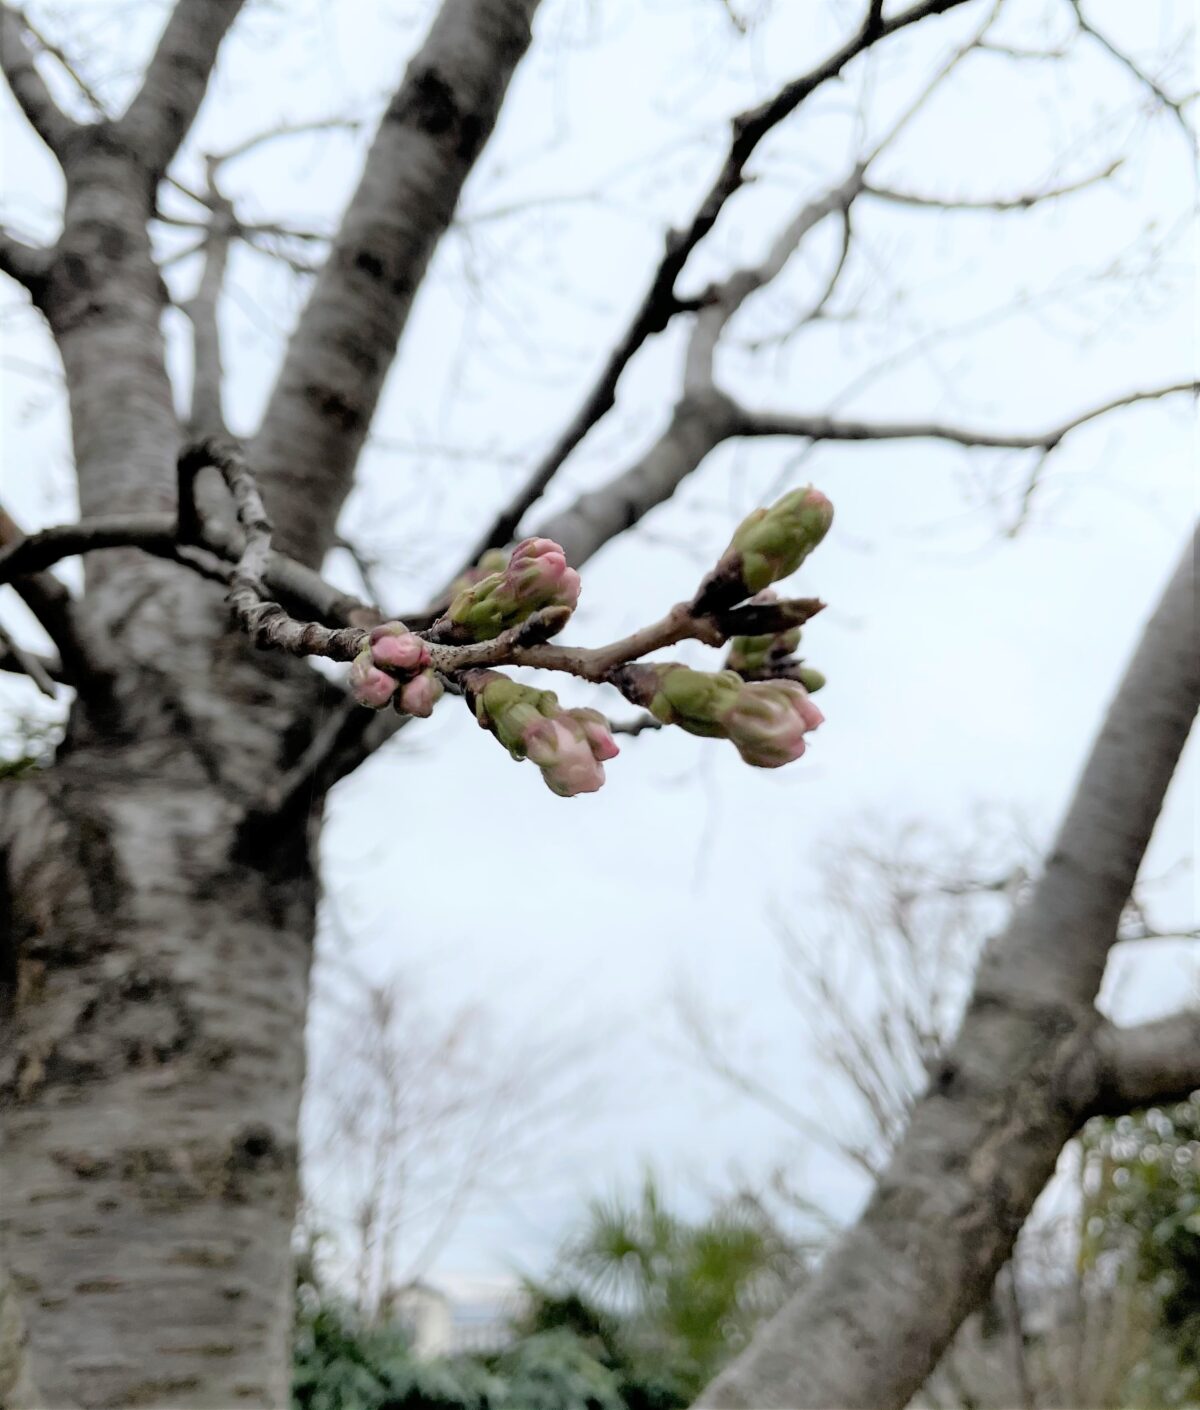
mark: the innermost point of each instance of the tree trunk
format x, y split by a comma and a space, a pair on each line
153, 984
151, 1089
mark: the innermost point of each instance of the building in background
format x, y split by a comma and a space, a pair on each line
450, 1316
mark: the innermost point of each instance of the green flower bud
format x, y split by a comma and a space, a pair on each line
695, 700
508, 709
495, 560
811, 679
750, 654
772, 543
535, 576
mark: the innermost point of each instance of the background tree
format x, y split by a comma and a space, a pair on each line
158, 881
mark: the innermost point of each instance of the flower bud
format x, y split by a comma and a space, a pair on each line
392, 644
694, 700
536, 576
769, 722
560, 748
772, 543
810, 678
539, 574
596, 731
495, 560
368, 684
420, 695
532, 725
766, 720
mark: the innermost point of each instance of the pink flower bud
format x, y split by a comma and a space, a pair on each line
769, 721
559, 747
596, 732
809, 711
538, 573
392, 644
420, 695
368, 684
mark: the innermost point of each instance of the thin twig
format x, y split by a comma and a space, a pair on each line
27, 663
660, 303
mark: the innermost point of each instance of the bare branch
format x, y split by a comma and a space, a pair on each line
14, 664
1149, 1065
660, 303
67, 64
1100, 845
28, 87
207, 413
1173, 105
1009, 203
84, 664
284, 130
26, 662
176, 80
435, 126
27, 264
213, 555
827, 428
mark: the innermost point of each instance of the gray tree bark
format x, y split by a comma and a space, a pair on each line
1032, 1060
153, 976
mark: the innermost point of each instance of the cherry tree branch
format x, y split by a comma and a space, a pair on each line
1009, 203
1172, 105
176, 80
283, 130
1148, 1065
828, 428
67, 64
82, 663
660, 303
212, 555
207, 416
704, 416
13, 664
435, 126
27, 264
1095, 858
28, 86
27, 663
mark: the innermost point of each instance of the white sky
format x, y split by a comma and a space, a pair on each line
964, 667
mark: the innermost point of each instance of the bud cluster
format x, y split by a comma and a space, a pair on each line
761, 702
393, 669
535, 576
568, 746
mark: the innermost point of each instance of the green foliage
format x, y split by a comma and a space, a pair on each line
665, 1301
644, 1309
1141, 1222
339, 1363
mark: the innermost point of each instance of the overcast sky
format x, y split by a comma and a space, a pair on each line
965, 667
